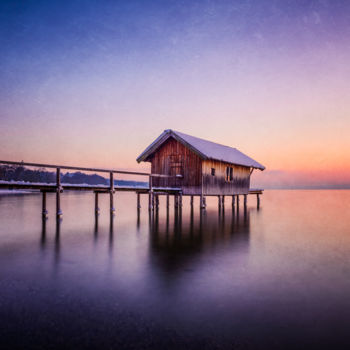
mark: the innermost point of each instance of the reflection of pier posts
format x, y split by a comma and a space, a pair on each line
167, 201
43, 231
96, 225
176, 201
156, 222
177, 220
191, 220
57, 239
138, 218
167, 220
111, 231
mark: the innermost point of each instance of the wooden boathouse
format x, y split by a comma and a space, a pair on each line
199, 167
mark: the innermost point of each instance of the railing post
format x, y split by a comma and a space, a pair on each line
58, 192
111, 193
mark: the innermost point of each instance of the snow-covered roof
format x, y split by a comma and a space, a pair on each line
205, 149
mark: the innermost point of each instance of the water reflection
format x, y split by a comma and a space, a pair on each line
194, 233
43, 232
57, 246
199, 273
111, 232
96, 226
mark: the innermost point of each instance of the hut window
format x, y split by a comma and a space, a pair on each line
213, 171
229, 174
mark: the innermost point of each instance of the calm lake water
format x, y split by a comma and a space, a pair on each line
278, 277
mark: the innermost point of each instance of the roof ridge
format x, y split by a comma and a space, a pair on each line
199, 138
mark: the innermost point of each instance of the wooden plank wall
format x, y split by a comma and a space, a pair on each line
174, 158
217, 185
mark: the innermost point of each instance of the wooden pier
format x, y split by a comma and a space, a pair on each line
153, 192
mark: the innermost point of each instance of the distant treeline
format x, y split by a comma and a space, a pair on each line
21, 173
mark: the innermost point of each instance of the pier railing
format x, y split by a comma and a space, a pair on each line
58, 187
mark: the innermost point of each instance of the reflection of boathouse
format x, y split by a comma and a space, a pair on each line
177, 240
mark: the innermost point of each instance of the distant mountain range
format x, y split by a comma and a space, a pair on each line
21, 173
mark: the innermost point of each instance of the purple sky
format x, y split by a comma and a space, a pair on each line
94, 82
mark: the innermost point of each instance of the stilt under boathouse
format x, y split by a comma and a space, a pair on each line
197, 167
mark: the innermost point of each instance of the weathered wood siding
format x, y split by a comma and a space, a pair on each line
173, 158
217, 184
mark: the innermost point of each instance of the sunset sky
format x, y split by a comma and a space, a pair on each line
92, 83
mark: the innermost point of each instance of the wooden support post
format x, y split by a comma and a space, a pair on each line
205, 201
201, 202
138, 200
176, 201
258, 201
167, 200
149, 200
44, 212
245, 201
111, 202
233, 201
180, 200
223, 201
219, 201
237, 197
191, 201
97, 209
111, 193
58, 192
150, 195
157, 201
